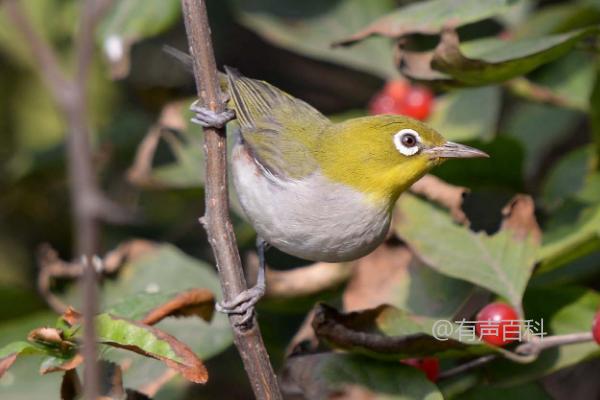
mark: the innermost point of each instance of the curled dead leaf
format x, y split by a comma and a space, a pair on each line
199, 302
358, 332
416, 65
66, 365
519, 218
7, 362
170, 119
50, 337
71, 316
70, 387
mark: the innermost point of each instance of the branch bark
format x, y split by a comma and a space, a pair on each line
217, 223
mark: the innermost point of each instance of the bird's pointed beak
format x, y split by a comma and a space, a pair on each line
455, 150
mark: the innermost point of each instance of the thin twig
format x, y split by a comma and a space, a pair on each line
477, 362
526, 352
43, 54
216, 220
531, 91
86, 199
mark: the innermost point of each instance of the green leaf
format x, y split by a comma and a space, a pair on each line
493, 60
478, 173
523, 124
574, 238
151, 342
152, 308
138, 19
501, 262
426, 292
16, 384
595, 116
563, 310
21, 348
429, 17
319, 376
529, 391
557, 18
567, 177
10, 352
162, 272
571, 77
453, 114
486, 61
309, 27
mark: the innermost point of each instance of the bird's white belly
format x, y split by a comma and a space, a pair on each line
314, 218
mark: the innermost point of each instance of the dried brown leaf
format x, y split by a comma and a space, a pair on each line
171, 118
416, 65
128, 251
444, 194
199, 302
50, 336
71, 316
358, 331
70, 387
519, 218
305, 339
68, 365
376, 276
353, 392
111, 380
302, 281
7, 362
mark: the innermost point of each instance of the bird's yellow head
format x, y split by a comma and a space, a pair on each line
381, 156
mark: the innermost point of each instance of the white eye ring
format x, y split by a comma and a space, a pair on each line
402, 148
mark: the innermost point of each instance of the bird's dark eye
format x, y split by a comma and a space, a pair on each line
409, 140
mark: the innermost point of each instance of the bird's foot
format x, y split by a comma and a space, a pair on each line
208, 118
243, 304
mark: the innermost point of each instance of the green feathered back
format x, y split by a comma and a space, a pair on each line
279, 129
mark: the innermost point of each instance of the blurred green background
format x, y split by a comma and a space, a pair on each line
539, 147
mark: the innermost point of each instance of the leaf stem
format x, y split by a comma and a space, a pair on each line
525, 353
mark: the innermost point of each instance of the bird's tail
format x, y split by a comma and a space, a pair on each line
187, 61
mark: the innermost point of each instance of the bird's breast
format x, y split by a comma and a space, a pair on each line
312, 218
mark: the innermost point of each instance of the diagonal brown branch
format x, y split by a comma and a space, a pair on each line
216, 220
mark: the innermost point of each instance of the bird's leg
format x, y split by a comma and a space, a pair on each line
245, 301
208, 118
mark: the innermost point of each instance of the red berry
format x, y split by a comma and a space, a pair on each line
400, 97
417, 103
596, 327
383, 103
429, 365
397, 88
498, 324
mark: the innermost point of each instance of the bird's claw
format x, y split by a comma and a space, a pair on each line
208, 118
243, 304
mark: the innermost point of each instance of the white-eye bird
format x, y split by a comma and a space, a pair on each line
314, 189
